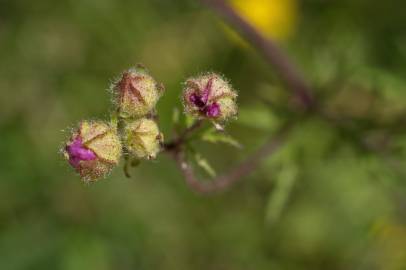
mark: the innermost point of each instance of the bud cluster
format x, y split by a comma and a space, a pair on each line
95, 147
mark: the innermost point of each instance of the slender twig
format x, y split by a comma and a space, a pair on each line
222, 182
275, 55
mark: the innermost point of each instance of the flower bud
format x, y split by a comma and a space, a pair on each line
93, 150
136, 93
142, 138
210, 96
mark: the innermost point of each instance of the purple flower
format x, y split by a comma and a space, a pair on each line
201, 101
77, 152
210, 96
212, 110
197, 100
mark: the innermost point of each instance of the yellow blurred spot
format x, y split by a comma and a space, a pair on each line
273, 18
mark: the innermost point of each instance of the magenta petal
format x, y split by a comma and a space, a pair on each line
77, 152
207, 91
213, 110
196, 100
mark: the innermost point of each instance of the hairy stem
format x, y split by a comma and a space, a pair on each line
177, 142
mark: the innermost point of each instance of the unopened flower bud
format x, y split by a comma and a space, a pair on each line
93, 150
136, 93
142, 138
210, 96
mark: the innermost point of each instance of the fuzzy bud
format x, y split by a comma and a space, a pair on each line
210, 96
93, 150
136, 93
142, 138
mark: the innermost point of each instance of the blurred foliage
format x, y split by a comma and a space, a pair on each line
333, 197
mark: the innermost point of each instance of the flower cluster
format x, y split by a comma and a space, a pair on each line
95, 147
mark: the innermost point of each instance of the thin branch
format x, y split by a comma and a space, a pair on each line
222, 182
175, 143
275, 55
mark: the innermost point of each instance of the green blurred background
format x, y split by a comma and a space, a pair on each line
333, 197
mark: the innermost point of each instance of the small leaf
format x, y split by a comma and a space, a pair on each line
280, 195
176, 116
189, 120
177, 121
205, 165
212, 136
